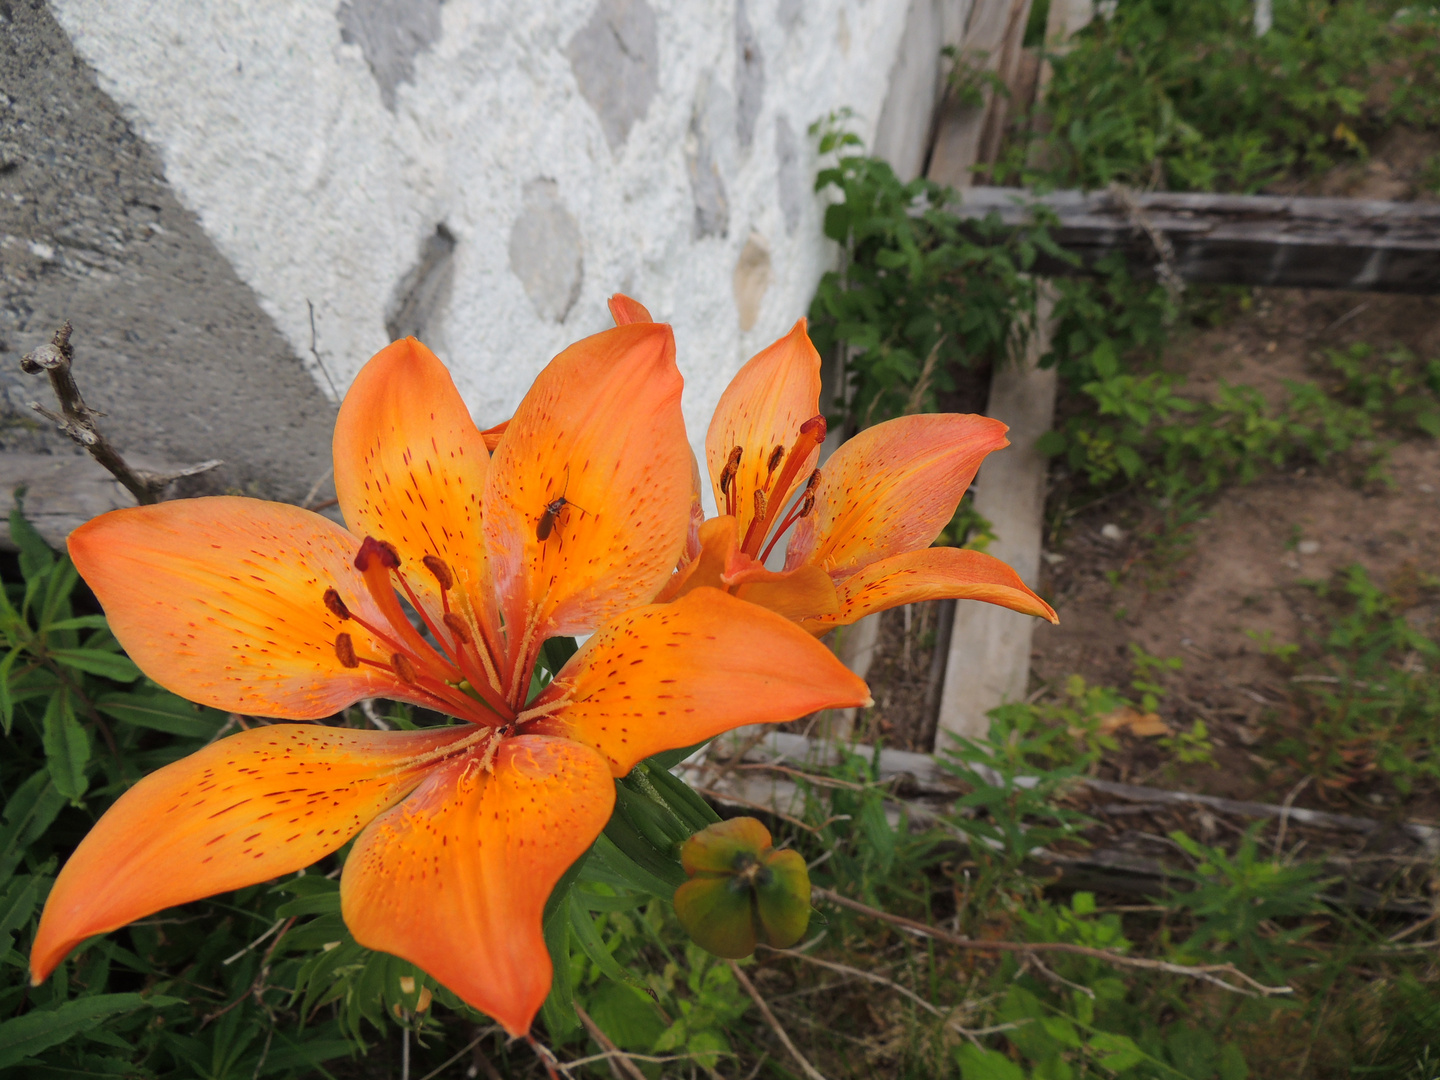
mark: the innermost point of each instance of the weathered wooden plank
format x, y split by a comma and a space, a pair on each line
1290, 241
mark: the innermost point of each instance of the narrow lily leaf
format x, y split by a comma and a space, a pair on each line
80, 622
59, 584
7, 700
680, 797
16, 907
67, 748
94, 662
582, 925
34, 1032
162, 712
558, 1009
35, 555
27, 815
650, 876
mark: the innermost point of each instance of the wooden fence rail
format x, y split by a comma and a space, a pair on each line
1286, 241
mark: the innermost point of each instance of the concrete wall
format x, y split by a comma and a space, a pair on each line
239, 201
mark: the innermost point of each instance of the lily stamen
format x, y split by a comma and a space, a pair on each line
800, 508
811, 435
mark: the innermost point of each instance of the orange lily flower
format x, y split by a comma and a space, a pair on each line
862, 525
272, 610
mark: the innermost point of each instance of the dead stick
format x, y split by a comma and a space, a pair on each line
77, 420
805, 1066
1203, 972
618, 1060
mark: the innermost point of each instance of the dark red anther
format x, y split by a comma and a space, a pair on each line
457, 627
336, 605
727, 474
345, 651
815, 427
376, 549
776, 456
436, 566
403, 668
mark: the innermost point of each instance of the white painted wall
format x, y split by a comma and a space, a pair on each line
273, 131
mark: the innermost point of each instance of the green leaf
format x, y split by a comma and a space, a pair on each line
977, 1064
37, 1031
16, 907
582, 926
67, 747
1115, 1052
7, 699
80, 622
94, 662
36, 558
27, 815
162, 712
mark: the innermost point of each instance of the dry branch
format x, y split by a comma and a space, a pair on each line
77, 420
1209, 973
800, 1059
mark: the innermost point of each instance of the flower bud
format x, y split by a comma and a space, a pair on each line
742, 892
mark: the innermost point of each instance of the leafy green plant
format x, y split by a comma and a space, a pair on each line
1367, 688
1185, 96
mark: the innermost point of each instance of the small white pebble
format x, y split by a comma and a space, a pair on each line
1052, 558
1426, 489
1111, 531
1308, 547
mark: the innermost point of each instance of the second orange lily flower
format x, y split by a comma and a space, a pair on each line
861, 527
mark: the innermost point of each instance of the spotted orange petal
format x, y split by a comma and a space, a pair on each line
410, 468
602, 430
222, 601
626, 311
265, 802
763, 407
891, 489
941, 573
669, 675
803, 593
491, 435
455, 878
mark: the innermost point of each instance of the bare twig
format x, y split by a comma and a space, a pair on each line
927, 374
1209, 973
77, 420
800, 1059
490, 1069
617, 1060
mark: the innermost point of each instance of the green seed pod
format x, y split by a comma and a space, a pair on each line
742, 892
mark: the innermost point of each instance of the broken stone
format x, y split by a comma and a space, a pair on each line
788, 176
1112, 532
752, 279
749, 77
1308, 547
615, 58
391, 33
547, 251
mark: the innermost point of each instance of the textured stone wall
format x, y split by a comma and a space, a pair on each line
239, 201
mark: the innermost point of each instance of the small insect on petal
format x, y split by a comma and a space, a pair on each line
742, 892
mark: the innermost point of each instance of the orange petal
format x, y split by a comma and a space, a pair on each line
803, 593
717, 547
763, 407
626, 311
410, 467
265, 802
602, 430
491, 435
942, 573
669, 675
891, 489
455, 878
222, 601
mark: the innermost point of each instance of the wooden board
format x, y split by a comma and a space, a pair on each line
1289, 241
